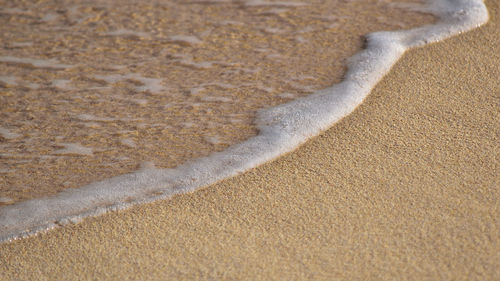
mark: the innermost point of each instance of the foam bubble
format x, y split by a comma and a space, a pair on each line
212, 140
154, 85
141, 102
7, 134
73, 149
22, 44
275, 11
62, 84
259, 3
128, 142
215, 99
185, 39
9, 80
12, 81
90, 117
49, 17
49, 63
287, 95
6, 200
127, 32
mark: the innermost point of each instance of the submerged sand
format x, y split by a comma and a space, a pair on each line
91, 90
406, 187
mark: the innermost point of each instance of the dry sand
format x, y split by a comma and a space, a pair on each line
405, 188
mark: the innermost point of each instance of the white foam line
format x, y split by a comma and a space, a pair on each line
282, 129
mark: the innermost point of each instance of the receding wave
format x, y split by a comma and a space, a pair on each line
281, 129
93, 90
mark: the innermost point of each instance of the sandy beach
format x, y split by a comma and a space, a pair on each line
404, 188
97, 90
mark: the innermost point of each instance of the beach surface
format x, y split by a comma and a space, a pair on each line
406, 187
91, 90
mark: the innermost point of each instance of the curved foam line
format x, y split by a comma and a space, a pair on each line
282, 129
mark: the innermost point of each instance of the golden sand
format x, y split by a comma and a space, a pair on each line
91, 90
405, 188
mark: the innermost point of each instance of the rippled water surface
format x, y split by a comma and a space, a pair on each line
93, 89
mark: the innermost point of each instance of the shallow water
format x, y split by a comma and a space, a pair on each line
90, 90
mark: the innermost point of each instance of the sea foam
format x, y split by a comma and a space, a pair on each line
281, 129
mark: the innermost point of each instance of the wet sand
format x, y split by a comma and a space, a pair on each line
406, 187
91, 90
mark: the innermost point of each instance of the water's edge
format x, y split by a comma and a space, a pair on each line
281, 130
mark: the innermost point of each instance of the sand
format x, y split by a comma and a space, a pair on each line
92, 90
405, 188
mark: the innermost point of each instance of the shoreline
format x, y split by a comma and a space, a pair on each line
142, 92
281, 130
406, 187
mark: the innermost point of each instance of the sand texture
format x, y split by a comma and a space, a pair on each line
405, 188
